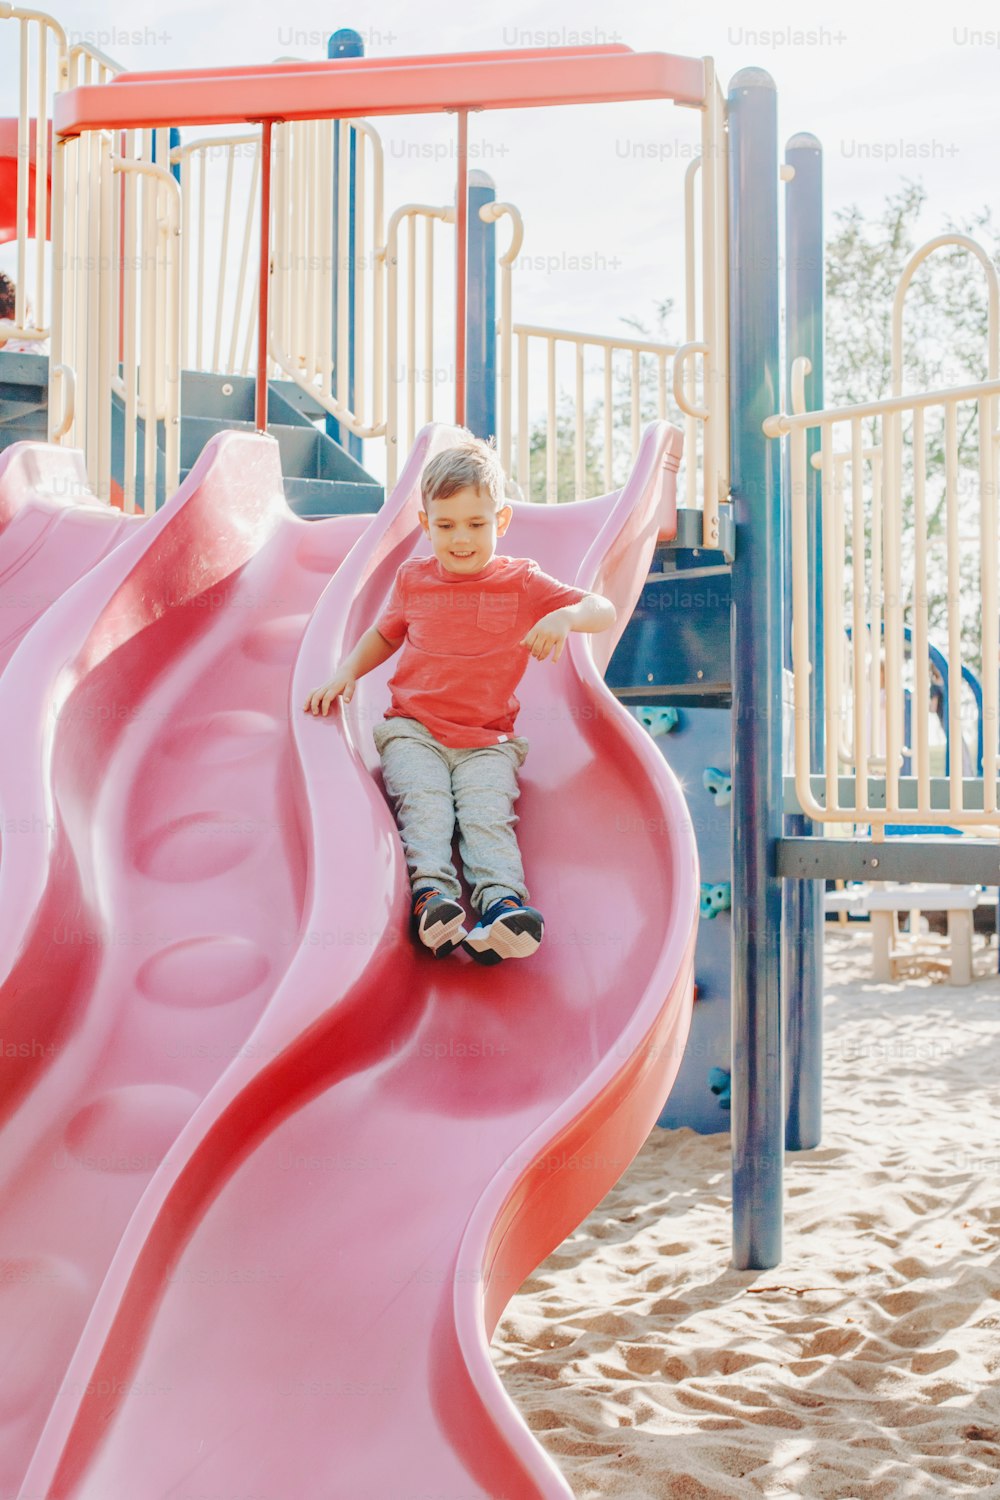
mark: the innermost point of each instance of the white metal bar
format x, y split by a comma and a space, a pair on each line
598, 340
248, 236
921, 660
200, 309
551, 429
227, 204
691, 426
989, 525
801, 665
876, 671
609, 431
361, 267
41, 165
130, 371
411, 332
428, 318
953, 610
523, 448
636, 381
57, 356
952, 241
859, 633
893, 607
580, 429
710, 147
833, 553
342, 365
23, 139
105, 331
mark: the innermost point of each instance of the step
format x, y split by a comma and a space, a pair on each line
24, 397
305, 452
317, 498
232, 398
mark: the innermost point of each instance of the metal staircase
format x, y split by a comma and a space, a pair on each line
321, 478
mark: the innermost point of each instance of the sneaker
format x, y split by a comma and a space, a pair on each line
505, 930
438, 921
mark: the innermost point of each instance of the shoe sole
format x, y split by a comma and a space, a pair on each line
446, 932
516, 936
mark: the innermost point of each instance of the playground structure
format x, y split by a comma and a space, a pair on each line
134, 387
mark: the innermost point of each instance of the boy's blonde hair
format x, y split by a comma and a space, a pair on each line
471, 463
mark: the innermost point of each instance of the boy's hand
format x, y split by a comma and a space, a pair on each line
340, 686
548, 634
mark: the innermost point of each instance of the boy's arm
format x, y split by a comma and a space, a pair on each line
370, 652
591, 613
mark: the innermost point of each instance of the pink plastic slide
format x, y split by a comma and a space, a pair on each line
269, 1173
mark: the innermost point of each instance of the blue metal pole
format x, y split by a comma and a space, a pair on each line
758, 1106
345, 43
802, 982
481, 312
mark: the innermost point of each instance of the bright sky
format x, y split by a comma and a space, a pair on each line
601, 184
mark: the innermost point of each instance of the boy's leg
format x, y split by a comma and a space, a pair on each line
417, 779
485, 785
484, 782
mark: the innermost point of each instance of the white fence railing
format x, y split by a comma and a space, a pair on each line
622, 380
893, 485
116, 323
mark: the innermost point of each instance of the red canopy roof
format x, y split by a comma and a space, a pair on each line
340, 87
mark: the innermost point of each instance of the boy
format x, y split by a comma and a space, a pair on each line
470, 620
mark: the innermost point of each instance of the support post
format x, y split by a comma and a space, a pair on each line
481, 330
345, 43
804, 914
758, 1112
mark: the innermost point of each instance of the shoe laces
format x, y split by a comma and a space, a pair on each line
422, 898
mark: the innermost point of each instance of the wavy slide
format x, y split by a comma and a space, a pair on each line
146, 754
279, 1173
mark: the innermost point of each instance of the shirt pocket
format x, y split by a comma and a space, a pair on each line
497, 613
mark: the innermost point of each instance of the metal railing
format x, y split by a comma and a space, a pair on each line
545, 486
877, 537
116, 316
706, 303
210, 303
317, 272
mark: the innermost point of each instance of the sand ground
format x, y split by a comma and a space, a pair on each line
864, 1367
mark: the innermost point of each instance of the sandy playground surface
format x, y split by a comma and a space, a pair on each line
863, 1368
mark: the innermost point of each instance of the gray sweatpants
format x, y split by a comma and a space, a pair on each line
432, 786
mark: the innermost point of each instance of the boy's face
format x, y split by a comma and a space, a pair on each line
464, 529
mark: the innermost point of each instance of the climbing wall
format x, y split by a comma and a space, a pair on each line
696, 743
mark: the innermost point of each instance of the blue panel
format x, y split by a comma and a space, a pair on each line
678, 636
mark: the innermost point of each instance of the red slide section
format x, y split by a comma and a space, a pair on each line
271, 1185
9, 156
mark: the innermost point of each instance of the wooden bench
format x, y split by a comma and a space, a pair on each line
957, 901
882, 905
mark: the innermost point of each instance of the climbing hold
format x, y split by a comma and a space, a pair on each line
720, 1081
658, 720
716, 898
719, 783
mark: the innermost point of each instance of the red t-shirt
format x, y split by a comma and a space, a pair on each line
462, 657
